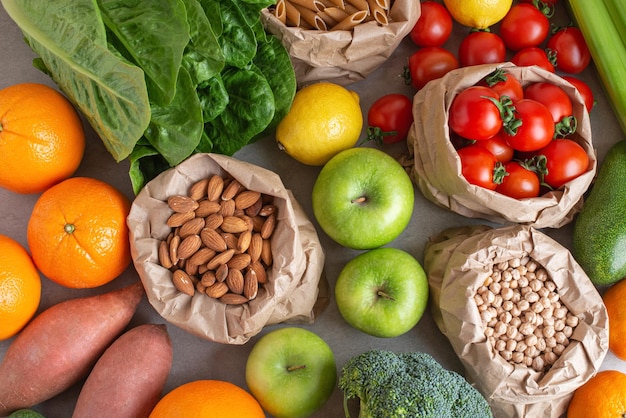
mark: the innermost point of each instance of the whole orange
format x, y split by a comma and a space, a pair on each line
41, 138
77, 233
208, 399
20, 287
615, 302
602, 396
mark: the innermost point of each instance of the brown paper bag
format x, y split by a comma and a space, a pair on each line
457, 261
435, 167
344, 56
295, 290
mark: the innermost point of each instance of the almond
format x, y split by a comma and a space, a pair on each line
213, 240
183, 282
239, 261
243, 242
188, 246
213, 221
191, 270
234, 280
206, 208
221, 258
221, 272
182, 204
267, 210
227, 207
233, 299
217, 290
256, 246
257, 223
164, 255
246, 199
234, 225
208, 278
259, 270
231, 190
255, 208
215, 188
250, 285
268, 226
202, 256
198, 190
177, 219
266, 252
191, 227
231, 240
174, 244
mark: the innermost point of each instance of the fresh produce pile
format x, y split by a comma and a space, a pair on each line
159, 81
204, 76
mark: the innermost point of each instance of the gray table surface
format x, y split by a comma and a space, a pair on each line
195, 358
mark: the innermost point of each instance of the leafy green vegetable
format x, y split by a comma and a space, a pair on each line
161, 80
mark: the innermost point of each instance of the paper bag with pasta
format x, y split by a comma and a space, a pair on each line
339, 40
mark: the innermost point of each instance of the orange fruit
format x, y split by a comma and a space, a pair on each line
77, 233
41, 138
208, 399
602, 396
20, 287
615, 302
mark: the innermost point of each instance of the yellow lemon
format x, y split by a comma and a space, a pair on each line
479, 14
324, 119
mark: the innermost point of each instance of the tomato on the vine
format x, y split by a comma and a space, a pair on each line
532, 128
524, 26
434, 26
570, 49
481, 47
504, 83
389, 118
518, 182
533, 56
565, 160
552, 96
498, 146
429, 63
474, 115
584, 90
478, 166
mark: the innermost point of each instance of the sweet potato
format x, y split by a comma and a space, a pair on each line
60, 346
128, 380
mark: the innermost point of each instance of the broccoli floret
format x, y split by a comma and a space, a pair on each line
408, 385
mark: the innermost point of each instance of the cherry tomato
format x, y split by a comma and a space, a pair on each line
434, 26
552, 96
533, 56
481, 47
430, 63
524, 26
498, 146
571, 51
477, 166
504, 83
519, 182
536, 127
473, 115
389, 118
584, 90
565, 160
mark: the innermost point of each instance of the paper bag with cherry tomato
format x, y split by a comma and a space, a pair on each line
454, 126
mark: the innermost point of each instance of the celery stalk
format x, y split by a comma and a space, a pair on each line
608, 51
618, 15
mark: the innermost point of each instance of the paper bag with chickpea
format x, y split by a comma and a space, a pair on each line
522, 316
341, 41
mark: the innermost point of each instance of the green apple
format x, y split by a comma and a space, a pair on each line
382, 292
363, 198
291, 372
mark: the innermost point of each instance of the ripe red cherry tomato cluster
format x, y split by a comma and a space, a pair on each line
519, 145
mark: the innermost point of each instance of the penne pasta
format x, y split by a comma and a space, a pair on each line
336, 13
293, 15
360, 5
330, 22
310, 17
334, 3
379, 14
314, 5
351, 21
280, 12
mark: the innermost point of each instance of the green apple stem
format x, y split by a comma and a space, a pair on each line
383, 294
361, 199
296, 367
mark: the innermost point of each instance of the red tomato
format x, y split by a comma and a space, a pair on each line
481, 48
533, 56
584, 90
524, 26
519, 182
536, 127
498, 146
548, 2
389, 118
473, 115
477, 166
504, 83
571, 51
434, 26
552, 96
430, 63
565, 160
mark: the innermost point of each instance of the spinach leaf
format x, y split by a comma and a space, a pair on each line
71, 44
155, 33
145, 164
237, 40
213, 98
